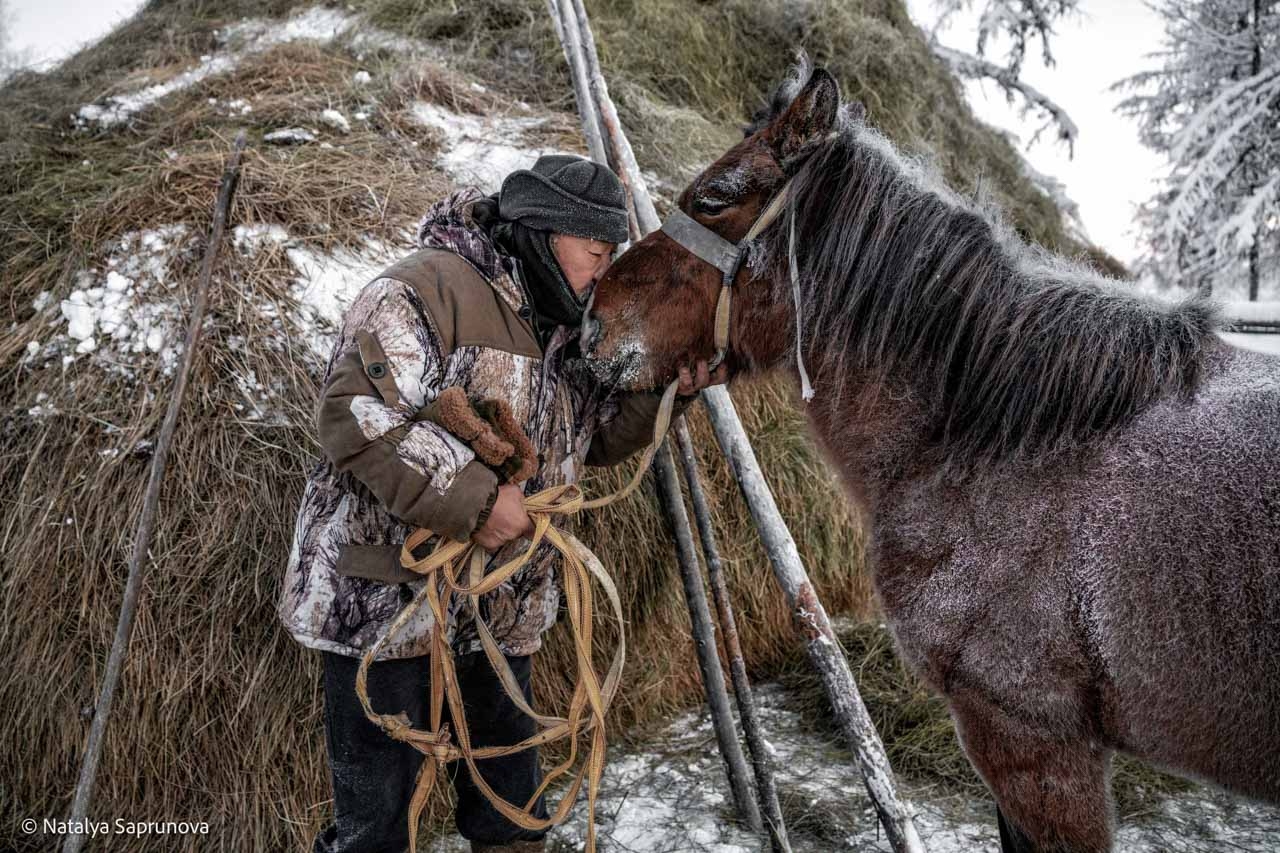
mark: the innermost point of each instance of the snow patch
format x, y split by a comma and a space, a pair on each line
1269, 344
237, 41
248, 239
114, 311
328, 282
481, 150
118, 109
668, 794
336, 120
290, 136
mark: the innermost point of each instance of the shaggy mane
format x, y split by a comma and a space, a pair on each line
1018, 351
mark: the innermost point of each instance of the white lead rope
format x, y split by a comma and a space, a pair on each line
806, 389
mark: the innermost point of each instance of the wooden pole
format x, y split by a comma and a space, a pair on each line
669, 494
146, 522
565, 22
672, 500
624, 157
810, 617
761, 761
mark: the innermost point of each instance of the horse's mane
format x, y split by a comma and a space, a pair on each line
1017, 351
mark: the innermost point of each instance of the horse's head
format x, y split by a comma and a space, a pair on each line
655, 308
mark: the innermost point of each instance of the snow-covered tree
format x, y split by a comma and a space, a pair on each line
11, 59
4, 40
1017, 24
1213, 108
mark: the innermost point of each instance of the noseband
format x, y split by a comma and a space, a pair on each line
727, 257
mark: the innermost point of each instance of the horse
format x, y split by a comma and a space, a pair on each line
1072, 488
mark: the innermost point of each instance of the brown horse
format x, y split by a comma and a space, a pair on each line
1074, 491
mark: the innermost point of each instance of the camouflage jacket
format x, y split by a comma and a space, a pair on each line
453, 313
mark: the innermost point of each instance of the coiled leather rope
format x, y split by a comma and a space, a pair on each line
444, 568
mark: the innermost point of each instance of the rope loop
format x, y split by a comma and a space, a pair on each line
444, 568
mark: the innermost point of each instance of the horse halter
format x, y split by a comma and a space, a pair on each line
727, 257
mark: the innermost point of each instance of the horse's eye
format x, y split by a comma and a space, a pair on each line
710, 206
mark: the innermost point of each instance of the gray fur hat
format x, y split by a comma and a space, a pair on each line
568, 195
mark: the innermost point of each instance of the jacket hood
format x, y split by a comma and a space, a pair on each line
448, 224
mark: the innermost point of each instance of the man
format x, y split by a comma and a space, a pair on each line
492, 303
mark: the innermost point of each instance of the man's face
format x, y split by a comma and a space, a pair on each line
582, 259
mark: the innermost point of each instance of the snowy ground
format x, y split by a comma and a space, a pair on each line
667, 794
1262, 343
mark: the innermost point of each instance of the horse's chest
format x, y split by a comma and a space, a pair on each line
976, 590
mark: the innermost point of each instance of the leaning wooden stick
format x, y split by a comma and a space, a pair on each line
761, 761
625, 158
810, 619
567, 23
809, 616
704, 639
146, 522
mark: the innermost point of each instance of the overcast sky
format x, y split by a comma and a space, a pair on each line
48, 30
1110, 173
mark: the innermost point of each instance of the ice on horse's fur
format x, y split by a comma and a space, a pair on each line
1073, 489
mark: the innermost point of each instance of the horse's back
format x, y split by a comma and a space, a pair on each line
1179, 561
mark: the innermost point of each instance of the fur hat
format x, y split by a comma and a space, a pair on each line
567, 194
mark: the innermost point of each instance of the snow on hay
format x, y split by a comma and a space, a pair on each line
108, 317
250, 36
481, 150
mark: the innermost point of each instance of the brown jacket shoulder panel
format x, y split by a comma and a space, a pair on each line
466, 309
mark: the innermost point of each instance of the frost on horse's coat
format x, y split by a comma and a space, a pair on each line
1074, 491
1120, 599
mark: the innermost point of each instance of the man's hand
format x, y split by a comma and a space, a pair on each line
507, 520
692, 383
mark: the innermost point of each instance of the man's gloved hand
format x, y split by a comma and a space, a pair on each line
490, 430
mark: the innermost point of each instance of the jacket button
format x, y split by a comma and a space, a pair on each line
525, 312
377, 370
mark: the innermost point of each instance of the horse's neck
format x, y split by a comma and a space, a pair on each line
871, 431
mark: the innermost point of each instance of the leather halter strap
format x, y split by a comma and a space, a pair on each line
702, 241
723, 255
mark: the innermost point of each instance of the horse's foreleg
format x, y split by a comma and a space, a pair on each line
1012, 839
1052, 789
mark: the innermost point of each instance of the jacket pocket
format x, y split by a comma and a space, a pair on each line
374, 562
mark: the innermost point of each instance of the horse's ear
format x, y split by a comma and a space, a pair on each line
811, 116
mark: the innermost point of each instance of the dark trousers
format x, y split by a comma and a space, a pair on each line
374, 776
